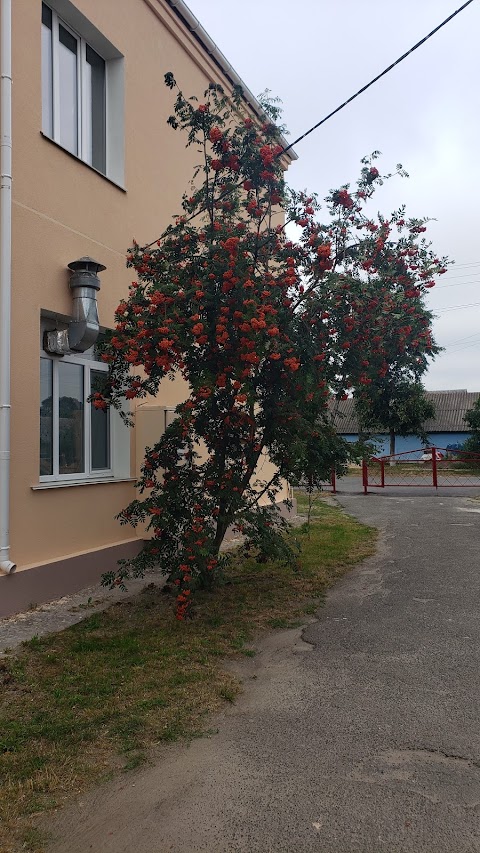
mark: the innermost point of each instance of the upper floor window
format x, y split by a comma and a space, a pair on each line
75, 110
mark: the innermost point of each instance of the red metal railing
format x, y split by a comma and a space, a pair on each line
331, 485
436, 467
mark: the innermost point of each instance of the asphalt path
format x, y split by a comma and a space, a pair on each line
360, 734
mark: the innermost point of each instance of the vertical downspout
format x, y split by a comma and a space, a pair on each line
6, 565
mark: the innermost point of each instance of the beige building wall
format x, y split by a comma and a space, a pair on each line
62, 210
152, 419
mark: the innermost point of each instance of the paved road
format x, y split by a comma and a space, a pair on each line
362, 737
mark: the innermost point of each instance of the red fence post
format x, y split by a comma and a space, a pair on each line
382, 471
334, 482
434, 466
365, 476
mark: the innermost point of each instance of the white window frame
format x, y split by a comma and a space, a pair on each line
64, 13
89, 473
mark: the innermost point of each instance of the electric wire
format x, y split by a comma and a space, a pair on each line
462, 349
452, 274
458, 284
460, 340
349, 100
466, 275
378, 77
455, 307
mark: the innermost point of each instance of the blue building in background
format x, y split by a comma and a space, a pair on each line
447, 430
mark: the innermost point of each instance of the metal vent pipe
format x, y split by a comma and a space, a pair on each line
84, 328
84, 284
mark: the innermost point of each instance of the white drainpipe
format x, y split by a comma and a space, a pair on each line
6, 565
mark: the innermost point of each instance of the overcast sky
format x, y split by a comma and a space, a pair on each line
424, 114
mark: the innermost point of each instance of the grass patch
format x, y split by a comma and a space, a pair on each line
99, 696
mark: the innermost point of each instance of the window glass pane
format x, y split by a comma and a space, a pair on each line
71, 427
94, 110
46, 15
47, 71
100, 423
68, 90
46, 416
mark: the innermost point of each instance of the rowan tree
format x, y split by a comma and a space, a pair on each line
264, 329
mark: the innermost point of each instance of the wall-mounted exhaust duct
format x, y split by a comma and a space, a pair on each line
83, 330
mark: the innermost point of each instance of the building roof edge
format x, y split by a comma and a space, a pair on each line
186, 15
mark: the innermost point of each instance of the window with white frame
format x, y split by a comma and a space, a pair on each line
75, 437
82, 90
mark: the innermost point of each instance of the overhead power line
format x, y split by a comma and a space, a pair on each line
461, 347
471, 345
378, 77
455, 307
452, 273
458, 284
345, 103
465, 275
461, 340
460, 344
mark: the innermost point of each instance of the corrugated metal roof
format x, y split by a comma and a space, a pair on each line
345, 419
450, 408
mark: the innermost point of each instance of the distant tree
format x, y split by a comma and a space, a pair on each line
394, 400
472, 417
67, 406
398, 407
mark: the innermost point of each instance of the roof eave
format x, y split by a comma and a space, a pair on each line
181, 9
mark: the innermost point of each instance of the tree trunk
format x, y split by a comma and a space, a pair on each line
392, 446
